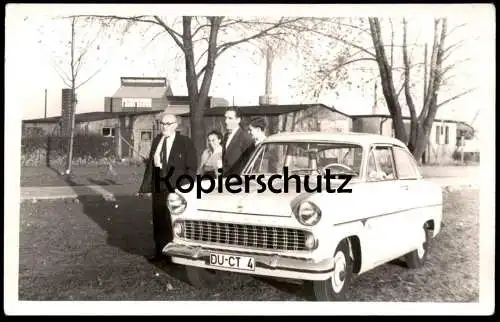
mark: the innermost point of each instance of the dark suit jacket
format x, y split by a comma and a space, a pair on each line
182, 160
237, 153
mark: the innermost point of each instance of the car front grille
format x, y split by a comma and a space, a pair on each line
261, 237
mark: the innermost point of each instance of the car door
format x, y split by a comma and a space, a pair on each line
409, 179
385, 202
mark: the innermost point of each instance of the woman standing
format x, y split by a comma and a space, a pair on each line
211, 158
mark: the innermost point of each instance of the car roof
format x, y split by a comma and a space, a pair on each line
346, 137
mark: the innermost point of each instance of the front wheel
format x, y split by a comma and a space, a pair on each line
201, 277
334, 288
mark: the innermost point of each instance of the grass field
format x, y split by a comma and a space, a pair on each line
91, 250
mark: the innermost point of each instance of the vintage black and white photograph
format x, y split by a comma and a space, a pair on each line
249, 159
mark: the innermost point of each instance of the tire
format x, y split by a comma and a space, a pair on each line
201, 277
334, 288
418, 257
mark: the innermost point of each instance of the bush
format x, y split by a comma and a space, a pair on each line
468, 156
53, 150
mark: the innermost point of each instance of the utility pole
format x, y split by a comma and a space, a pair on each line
45, 114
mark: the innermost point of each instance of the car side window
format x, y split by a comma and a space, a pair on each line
380, 164
405, 164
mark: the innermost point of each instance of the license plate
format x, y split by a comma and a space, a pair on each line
232, 261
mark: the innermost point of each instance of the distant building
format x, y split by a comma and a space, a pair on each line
138, 128
139, 94
444, 138
133, 111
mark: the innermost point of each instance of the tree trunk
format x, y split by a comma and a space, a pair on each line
387, 81
420, 144
198, 124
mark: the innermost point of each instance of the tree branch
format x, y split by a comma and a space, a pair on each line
113, 17
88, 79
455, 28
79, 60
392, 43
174, 34
62, 74
456, 97
409, 98
225, 46
211, 56
354, 27
366, 51
432, 75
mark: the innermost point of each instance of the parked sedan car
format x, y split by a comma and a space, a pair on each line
290, 224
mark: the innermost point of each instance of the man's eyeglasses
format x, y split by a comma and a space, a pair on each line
168, 123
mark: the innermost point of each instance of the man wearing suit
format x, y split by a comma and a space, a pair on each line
171, 156
237, 144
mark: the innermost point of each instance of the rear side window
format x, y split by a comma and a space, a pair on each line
405, 164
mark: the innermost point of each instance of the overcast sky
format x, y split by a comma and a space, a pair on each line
30, 55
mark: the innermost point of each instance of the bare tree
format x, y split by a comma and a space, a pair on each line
202, 40
435, 76
84, 42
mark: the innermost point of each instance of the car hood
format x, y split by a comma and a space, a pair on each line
255, 201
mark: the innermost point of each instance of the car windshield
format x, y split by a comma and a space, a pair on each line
306, 158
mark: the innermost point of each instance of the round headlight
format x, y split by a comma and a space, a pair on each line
307, 213
176, 203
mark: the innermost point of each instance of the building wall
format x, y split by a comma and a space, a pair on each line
442, 145
115, 104
374, 125
44, 128
96, 127
160, 103
315, 118
144, 129
312, 119
440, 148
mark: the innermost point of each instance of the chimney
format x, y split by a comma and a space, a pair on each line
267, 98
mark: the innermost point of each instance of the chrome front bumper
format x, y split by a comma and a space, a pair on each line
265, 265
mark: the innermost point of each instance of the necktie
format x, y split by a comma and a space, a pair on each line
226, 143
164, 151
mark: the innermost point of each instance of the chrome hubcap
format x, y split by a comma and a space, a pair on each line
339, 272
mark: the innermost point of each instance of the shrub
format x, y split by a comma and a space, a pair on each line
468, 156
53, 150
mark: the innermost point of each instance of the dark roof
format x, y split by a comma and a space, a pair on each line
272, 109
179, 99
404, 118
184, 111
91, 116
